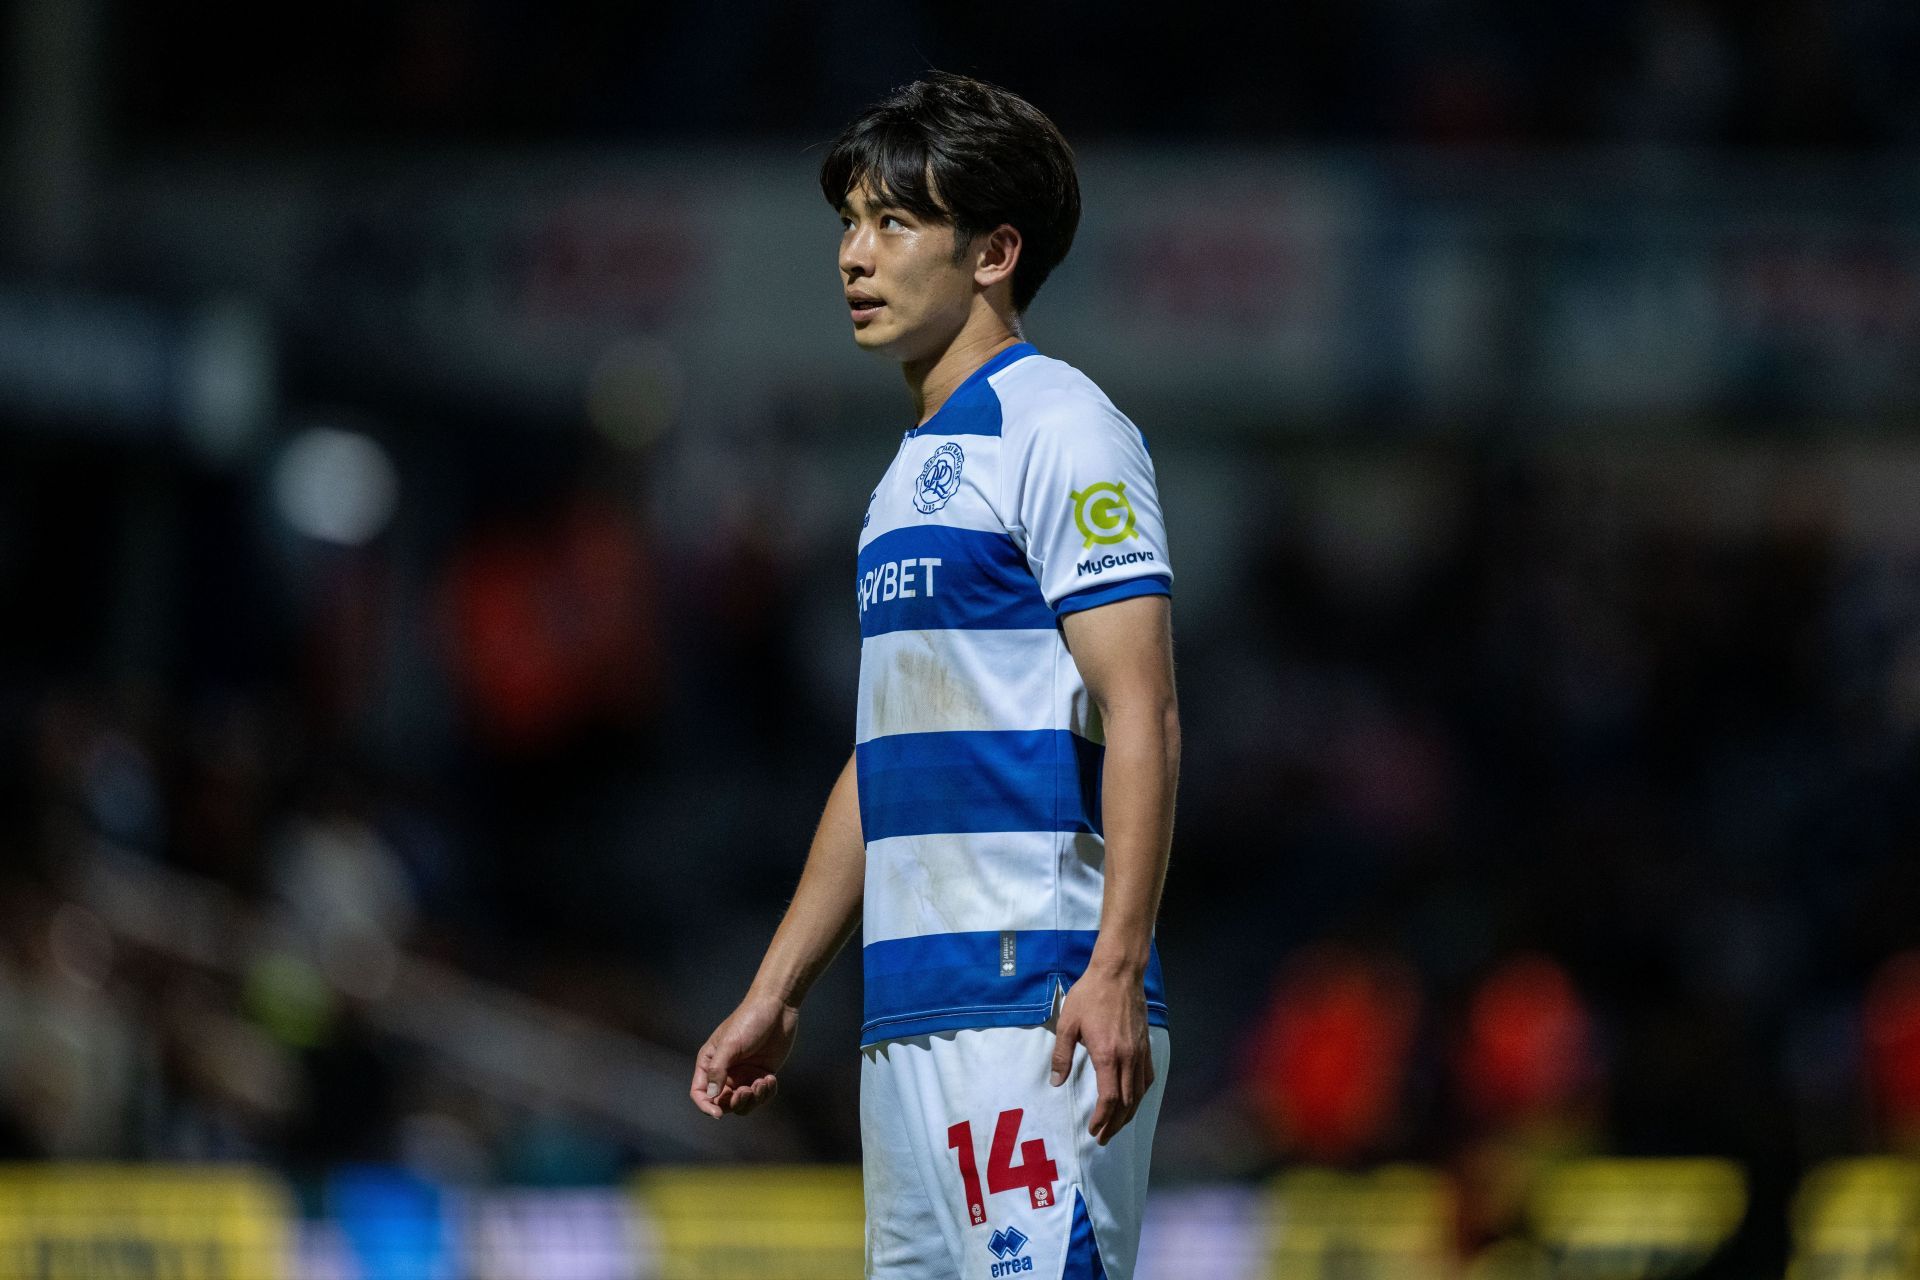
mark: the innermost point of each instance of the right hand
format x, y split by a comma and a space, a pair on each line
734, 1070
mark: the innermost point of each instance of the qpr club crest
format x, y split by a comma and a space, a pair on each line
939, 479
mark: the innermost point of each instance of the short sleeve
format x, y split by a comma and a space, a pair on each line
1083, 492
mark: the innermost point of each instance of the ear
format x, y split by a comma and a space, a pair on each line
995, 255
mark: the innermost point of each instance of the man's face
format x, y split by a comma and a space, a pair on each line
907, 295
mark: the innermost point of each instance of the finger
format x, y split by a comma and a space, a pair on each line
700, 1090
1116, 1073
1126, 1116
1103, 1113
712, 1063
1107, 1104
1144, 1075
1106, 1090
746, 1094
1139, 1079
755, 1095
1063, 1041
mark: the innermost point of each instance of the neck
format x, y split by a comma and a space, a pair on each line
931, 379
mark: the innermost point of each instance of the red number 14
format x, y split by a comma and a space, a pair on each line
1035, 1172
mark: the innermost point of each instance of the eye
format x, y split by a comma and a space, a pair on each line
889, 218
846, 223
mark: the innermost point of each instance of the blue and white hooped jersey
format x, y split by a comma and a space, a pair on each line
1026, 497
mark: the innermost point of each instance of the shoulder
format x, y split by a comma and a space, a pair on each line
1049, 402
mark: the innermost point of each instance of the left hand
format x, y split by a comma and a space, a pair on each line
1108, 1013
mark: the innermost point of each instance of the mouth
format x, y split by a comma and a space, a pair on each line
863, 307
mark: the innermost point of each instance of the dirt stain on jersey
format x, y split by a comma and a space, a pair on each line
923, 690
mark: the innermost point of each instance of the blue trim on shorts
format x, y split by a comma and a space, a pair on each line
952, 981
1083, 1252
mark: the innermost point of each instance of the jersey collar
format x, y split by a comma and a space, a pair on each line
964, 394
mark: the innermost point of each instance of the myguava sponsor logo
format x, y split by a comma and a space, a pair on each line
1100, 564
1103, 513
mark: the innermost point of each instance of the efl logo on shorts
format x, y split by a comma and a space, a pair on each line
1006, 1246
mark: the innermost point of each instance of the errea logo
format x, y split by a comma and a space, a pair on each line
1103, 513
1006, 1245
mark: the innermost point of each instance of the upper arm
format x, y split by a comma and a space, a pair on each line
1124, 652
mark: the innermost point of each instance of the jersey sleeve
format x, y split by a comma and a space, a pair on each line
1086, 506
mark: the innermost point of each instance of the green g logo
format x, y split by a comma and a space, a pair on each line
1103, 513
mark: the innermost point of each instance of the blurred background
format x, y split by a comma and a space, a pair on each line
430, 454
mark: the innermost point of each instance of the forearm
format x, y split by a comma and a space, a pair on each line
826, 906
1138, 780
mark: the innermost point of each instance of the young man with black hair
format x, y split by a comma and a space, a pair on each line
1003, 824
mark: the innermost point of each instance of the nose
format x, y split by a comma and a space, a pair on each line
856, 252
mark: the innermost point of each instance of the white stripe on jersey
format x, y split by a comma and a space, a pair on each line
948, 680
944, 883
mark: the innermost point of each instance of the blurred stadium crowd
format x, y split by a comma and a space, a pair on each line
1688, 72
407, 746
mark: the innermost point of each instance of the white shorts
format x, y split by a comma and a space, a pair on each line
976, 1168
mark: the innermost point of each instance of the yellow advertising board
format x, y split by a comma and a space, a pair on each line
755, 1222
1620, 1219
140, 1222
1858, 1220
1394, 1223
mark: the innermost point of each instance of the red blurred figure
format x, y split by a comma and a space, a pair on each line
1527, 1070
1528, 1052
553, 627
1330, 1058
1892, 1026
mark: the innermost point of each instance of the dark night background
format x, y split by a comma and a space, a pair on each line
429, 470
